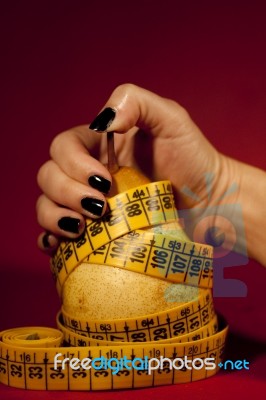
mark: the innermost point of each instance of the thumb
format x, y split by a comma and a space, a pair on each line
130, 106
180, 152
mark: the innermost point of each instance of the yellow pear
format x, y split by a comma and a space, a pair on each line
104, 292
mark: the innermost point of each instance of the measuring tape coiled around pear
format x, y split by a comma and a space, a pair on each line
74, 338
181, 319
189, 331
153, 254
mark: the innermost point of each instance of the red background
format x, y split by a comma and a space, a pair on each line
59, 62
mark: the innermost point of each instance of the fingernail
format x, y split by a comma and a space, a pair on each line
49, 241
94, 206
69, 224
103, 120
99, 183
45, 240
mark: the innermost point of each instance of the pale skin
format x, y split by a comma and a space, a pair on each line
161, 132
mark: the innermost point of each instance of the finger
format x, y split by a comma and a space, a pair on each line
62, 189
48, 243
70, 151
61, 221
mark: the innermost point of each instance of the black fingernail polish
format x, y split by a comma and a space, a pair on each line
103, 120
94, 206
99, 183
45, 241
69, 224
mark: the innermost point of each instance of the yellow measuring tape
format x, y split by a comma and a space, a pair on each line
153, 254
181, 344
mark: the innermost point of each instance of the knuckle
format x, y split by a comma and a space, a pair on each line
40, 210
125, 89
56, 144
178, 113
42, 174
61, 140
44, 216
175, 106
39, 219
38, 204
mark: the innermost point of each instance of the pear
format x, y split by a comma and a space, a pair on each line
103, 292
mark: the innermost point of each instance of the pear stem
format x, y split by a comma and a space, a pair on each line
112, 163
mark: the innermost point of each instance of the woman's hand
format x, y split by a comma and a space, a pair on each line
157, 135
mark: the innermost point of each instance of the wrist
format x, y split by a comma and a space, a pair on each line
252, 198
250, 191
